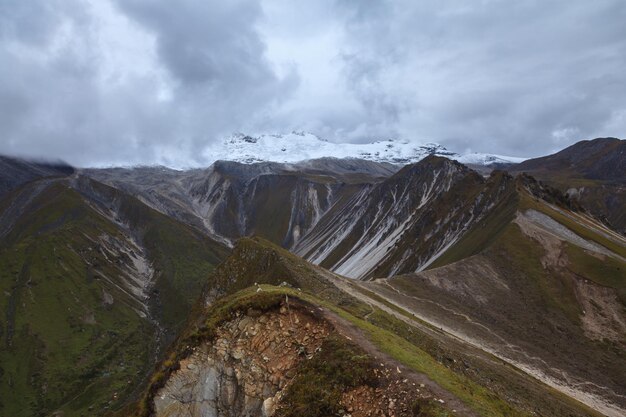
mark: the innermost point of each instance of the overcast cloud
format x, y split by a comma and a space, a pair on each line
99, 82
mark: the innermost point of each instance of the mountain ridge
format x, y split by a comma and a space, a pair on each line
454, 366
434, 245
593, 172
302, 146
403, 223
17, 171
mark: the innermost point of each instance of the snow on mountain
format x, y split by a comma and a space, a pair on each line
300, 146
487, 159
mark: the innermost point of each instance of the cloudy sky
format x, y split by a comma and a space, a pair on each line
155, 81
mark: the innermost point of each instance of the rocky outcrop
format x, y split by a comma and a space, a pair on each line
244, 371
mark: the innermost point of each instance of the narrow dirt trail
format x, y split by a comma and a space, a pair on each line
354, 334
566, 387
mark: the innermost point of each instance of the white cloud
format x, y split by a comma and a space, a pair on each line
145, 81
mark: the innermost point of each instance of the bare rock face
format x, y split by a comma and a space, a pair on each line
243, 372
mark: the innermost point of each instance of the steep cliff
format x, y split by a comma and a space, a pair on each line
245, 369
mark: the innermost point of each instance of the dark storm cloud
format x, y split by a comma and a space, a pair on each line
221, 80
66, 94
516, 77
211, 45
145, 81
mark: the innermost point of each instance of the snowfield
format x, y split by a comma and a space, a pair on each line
301, 146
487, 159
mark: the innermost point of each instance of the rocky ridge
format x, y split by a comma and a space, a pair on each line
254, 360
244, 371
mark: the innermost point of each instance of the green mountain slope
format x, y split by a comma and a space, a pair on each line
471, 381
93, 283
539, 285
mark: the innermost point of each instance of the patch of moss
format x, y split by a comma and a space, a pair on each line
428, 408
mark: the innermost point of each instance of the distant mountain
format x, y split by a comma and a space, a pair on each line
601, 159
17, 171
229, 200
358, 218
403, 223
301, 146
355, 217
590, 171
486, 159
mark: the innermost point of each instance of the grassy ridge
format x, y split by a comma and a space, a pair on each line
474, 382
61, 337
386, 339
385, 332
71, 335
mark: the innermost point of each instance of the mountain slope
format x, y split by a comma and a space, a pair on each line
597, 159
95, 284
228, 200
591, 171
546, 291
404, 223
240, 353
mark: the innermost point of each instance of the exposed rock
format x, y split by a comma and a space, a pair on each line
244, 370
269, 407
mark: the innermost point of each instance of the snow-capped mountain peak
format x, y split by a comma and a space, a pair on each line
477, 158
299, 146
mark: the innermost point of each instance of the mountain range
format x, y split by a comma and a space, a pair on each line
433, 284
303, 146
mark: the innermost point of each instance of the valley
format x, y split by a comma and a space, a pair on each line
433, 287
